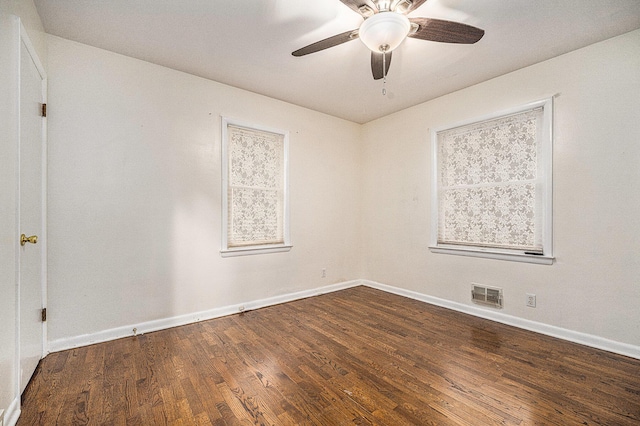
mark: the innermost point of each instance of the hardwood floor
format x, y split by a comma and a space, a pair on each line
358, 356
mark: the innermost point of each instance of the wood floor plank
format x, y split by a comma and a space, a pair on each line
354, 357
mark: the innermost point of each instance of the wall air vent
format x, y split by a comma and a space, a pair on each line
488, 296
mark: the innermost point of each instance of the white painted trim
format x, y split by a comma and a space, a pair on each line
538, 327
493, 254
13, 413
161, 324
545, 179
242, 251
44, 240
17, 24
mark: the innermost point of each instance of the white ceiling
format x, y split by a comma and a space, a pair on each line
248, 44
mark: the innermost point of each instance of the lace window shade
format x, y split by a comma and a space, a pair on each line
489, 183
256, 185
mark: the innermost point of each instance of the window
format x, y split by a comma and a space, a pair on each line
255, 206
492, 186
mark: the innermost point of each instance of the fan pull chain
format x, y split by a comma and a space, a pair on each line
384, 72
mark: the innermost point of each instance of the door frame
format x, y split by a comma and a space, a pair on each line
22, 37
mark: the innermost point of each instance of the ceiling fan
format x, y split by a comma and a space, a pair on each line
385, 27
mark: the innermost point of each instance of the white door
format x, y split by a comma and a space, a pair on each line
31, 258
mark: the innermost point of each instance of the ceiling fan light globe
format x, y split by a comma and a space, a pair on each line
384, 31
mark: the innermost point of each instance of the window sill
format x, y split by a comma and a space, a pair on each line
245, 251
494, 254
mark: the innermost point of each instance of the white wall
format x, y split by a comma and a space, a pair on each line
134, 194
8, 182
594, 285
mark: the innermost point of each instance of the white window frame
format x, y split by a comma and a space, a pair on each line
545, 157
227, 251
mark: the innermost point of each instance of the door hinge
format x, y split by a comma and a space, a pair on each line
44, 314
44, 110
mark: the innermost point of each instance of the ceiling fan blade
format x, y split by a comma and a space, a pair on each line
327, 43
445, 31
365, 8
378, 65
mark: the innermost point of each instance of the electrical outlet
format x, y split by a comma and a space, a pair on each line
324, 273
531, 300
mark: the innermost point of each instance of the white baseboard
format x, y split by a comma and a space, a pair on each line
538, 327
161, 324
13, 413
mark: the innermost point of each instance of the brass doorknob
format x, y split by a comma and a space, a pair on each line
24, 239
